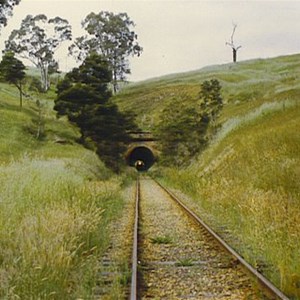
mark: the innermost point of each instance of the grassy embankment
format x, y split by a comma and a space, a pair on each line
56, 200
247, 181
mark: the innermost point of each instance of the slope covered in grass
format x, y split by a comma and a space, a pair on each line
246, 85
246, 182
56, 199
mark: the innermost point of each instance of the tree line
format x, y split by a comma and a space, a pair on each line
108, 34
84, 94
85, 98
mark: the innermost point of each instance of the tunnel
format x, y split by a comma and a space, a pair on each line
140, 157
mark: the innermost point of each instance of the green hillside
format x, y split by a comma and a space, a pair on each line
246, 183
246, 86
56, 199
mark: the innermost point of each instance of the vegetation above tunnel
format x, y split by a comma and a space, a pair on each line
185, 130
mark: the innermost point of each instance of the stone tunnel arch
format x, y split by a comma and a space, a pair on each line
141, 157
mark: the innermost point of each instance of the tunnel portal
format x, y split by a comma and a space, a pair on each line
141, 157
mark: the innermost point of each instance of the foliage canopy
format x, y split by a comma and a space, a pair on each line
6, 8
36, 40
12, 71
83, 96
184, 131
110, 35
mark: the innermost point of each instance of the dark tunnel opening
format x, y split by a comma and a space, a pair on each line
142, 158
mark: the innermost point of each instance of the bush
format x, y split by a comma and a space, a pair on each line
183, 131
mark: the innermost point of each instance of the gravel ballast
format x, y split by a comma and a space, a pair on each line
179, 260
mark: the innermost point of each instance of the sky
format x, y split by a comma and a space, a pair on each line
182, 35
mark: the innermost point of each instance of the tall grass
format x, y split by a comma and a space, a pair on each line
56, 201
53, 229
249, 183
248, 178
266, 108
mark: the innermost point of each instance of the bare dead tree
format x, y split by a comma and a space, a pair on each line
231, 44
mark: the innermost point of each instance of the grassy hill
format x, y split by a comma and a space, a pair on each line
246, 183
246, 85
56, 199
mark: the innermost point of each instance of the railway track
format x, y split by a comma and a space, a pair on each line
177, 256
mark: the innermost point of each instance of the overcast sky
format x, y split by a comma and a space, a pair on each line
183, 35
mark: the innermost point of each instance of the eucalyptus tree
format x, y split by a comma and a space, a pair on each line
6, 8
37, 40
112, 36
12, 71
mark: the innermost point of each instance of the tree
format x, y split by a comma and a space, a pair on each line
83, 96
111, 36
180, 132
185, 130
82, 90
6, 8
211, 100
12, 71
231, 44
109, 131
37, 40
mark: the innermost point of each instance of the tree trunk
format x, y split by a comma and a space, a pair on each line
47, 81
115, 72
44, 78
115, 81
40, 129
21, 95
234, 52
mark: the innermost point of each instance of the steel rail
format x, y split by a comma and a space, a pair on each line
133, 288
265, 283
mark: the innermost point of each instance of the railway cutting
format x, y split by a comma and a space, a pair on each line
178, 258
